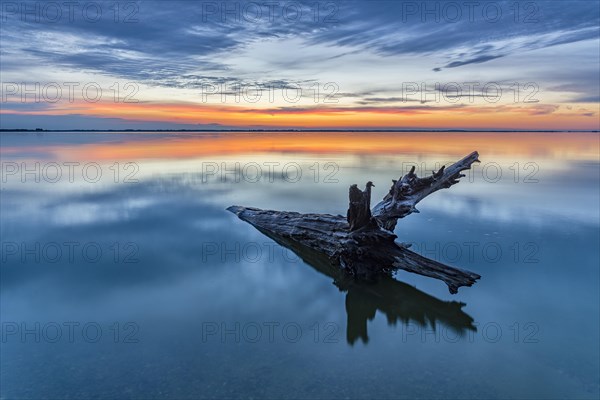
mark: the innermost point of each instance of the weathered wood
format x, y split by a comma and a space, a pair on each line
359, 209
363, 254
409, 190
364, 246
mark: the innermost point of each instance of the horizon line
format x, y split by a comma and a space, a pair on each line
38, 130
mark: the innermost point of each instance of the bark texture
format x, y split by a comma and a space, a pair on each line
363, 244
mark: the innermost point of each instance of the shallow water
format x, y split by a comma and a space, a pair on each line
124, 276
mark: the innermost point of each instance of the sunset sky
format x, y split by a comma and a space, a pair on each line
302, 64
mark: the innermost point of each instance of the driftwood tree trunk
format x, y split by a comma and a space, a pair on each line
363, 244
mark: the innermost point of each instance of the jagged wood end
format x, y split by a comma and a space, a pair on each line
453, 277
409, 190
359, 208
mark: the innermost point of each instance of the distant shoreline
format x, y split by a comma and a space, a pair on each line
299, 130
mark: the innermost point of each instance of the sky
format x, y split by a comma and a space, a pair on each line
473, 65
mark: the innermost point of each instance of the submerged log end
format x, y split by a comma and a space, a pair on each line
451, 276
467, 279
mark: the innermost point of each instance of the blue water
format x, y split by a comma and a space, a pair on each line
143, 285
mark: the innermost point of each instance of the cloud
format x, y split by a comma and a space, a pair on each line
177, 47
86, 122
342, 110
386, 100
475, 60
168, 41
8, 106
587, 99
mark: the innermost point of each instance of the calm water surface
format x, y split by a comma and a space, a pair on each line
124, 276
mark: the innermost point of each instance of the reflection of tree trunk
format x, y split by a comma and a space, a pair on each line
364, 244
398, 301
359, 312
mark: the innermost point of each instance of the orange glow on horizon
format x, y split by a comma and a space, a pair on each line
574, 146
512, 116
